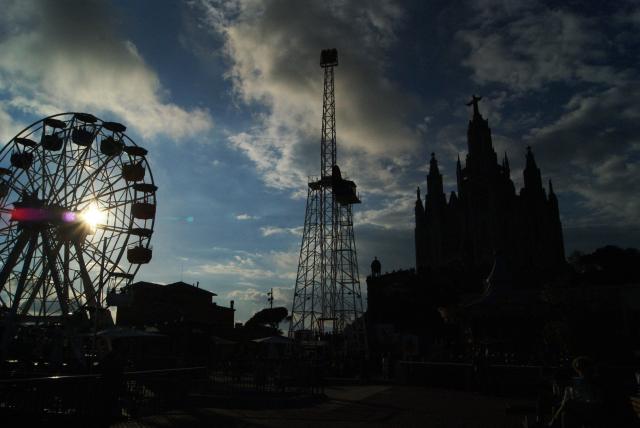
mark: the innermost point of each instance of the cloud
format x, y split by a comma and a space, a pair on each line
275, 230
8, 126
281, 295
248, 294
251, 299
526, 46
248, 267
244, 216
69, 55
273, 50
594, 150
396, 213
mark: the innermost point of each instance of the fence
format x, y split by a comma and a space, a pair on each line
286, 376
507, 379
94, 398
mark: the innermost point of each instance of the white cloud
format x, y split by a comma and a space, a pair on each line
281, 295
8, 126
275, 230
69, 56
248, 267
248, 294
245, 216
396, 213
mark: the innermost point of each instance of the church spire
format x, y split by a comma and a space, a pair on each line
459, 174
553, 199
505, 165
419, 209
531, 173
531, 161
434, 179
433, 165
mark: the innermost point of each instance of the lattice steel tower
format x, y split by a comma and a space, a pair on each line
327, 302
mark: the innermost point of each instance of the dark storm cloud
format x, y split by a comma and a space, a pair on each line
274, 50
594, 150
526, 45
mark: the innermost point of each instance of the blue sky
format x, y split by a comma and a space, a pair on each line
226, 96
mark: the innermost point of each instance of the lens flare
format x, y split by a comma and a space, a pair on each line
92, 216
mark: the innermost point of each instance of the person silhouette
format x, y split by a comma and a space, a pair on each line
582, 400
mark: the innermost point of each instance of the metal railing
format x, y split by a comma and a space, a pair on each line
300, 377
95, 396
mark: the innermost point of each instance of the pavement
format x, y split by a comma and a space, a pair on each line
350, 406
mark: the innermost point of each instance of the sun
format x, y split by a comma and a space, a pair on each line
92, 216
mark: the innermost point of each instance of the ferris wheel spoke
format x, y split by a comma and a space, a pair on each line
51, 259
51, 179
32, 180
10, 263
127, 202
12, 185
33, 239
98, 260
114, 229
59, 165
34, 291
107, 192
66, 283
91, 176
72, 187
11, 240
5, 228
89, 290
93, 194
98, 196
77, 297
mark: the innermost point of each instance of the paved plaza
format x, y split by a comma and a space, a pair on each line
350, 406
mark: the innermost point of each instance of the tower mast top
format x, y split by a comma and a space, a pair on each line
328, 151
328, 58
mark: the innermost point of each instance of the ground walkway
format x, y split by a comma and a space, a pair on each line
349, 406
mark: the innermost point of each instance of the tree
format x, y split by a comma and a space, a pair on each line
270, 316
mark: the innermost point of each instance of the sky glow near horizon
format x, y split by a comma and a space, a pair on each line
227, 98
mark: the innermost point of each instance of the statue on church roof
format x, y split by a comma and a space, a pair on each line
474, 102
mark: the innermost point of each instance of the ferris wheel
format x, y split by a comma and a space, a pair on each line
77, 210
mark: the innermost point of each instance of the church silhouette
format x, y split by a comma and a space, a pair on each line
486, 216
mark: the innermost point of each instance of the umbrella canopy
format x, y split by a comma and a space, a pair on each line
220, 341
275, 340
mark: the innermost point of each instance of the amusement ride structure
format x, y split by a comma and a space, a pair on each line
77, 210
327, 302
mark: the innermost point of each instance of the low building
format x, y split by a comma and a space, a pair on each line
147, 304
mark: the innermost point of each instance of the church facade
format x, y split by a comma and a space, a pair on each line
486, 215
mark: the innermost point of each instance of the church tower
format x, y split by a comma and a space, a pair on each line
420, 233
435, 213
